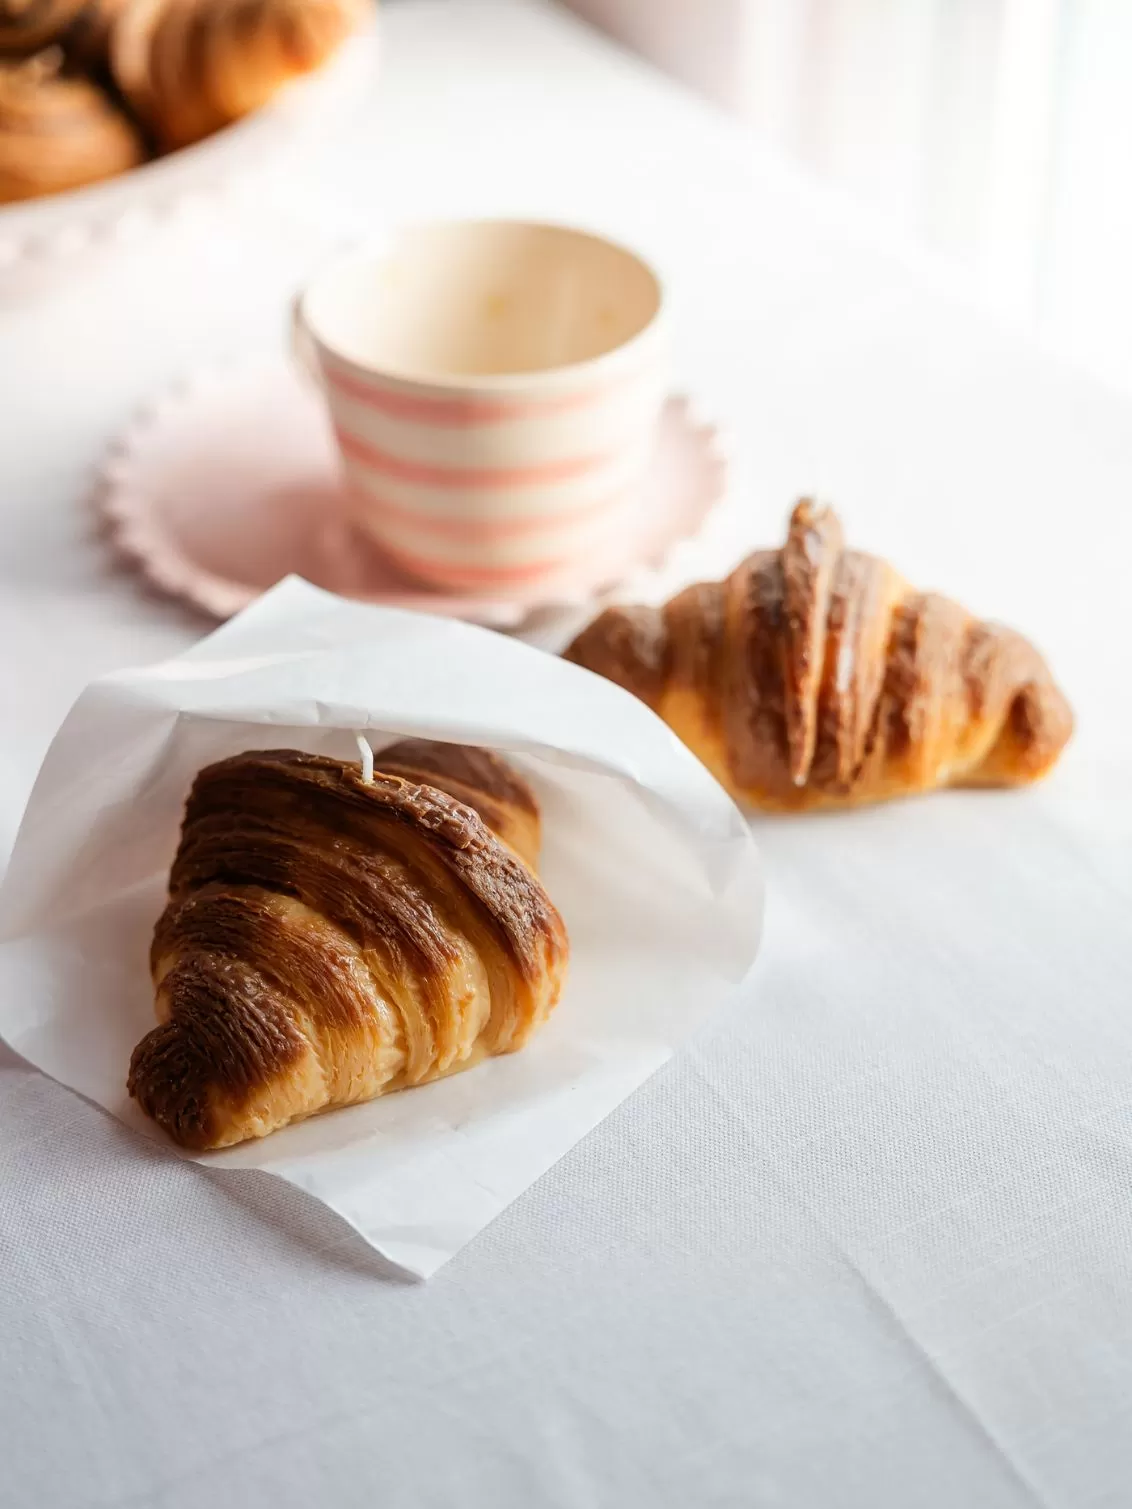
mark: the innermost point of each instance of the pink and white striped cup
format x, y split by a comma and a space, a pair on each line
494, 388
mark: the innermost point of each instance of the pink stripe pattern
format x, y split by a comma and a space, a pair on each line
489, 531
494, 489
465, 477
466, 411
474, 576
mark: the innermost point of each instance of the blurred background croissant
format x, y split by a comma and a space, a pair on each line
91, 88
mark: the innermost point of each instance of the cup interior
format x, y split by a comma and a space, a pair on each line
474, 300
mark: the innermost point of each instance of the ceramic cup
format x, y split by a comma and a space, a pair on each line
494, 388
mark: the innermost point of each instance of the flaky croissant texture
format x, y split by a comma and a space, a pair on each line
190, 67
57, 132
329, 939
28, 25
81, 27
815, 676
87, 38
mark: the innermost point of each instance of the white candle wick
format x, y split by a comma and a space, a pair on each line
366, 754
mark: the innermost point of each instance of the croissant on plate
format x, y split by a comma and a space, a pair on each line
87, 38
329, 939
189, 67
28, 25
815, 676
82, 27
58, 132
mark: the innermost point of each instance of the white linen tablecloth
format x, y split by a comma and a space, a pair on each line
867, 1242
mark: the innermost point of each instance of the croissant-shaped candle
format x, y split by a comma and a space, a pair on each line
479, 779
814, 676
329, 939
189, 67
58, 133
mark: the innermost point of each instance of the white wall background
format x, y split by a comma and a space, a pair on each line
998, 132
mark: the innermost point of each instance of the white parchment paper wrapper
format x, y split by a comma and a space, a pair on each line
650, 863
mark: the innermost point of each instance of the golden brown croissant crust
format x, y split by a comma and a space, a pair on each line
176, 71
815, 676
479, 779
87, 38
58, 132
189, 67
27, 25
327, 940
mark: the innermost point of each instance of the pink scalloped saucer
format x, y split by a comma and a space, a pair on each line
230, 481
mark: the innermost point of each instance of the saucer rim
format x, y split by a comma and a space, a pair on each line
122, 508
